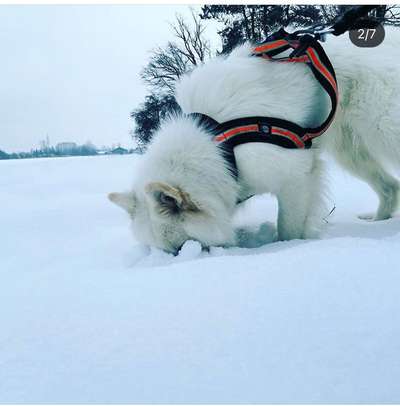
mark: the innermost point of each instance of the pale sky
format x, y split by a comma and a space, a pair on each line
72, 72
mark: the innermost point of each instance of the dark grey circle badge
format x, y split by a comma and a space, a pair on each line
367, 37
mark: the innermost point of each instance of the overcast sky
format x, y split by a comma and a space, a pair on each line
72, 72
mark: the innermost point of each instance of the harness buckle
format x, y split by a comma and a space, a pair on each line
264, 128
323, 31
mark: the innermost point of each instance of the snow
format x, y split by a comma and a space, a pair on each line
89, 316
190, 250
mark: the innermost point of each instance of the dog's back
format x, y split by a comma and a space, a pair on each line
239, 85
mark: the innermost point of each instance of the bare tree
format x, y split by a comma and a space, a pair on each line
390, 14
189, 50
165, 67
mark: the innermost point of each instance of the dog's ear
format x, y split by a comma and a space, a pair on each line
171, 200
125, 200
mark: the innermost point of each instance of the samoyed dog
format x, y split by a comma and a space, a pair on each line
184, 190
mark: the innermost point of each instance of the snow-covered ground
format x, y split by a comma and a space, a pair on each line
88, 316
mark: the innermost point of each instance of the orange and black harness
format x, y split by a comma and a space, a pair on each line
305, 49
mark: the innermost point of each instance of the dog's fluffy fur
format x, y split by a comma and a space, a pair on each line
184, 190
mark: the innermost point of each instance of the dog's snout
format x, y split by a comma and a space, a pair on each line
177, 250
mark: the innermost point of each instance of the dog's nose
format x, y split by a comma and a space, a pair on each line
176, 251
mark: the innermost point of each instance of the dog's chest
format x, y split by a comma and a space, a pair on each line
266, 168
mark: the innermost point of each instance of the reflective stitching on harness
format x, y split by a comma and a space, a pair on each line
286, 133
318, 64
270, 46
236, 131
332, 81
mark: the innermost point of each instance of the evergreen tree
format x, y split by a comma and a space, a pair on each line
3, 155
148, 115
256, 22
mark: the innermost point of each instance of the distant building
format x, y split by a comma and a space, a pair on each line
120, 151
66, 147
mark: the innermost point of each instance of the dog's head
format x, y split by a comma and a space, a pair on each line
166, 216
182, 190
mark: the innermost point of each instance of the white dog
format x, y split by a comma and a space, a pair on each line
184, 190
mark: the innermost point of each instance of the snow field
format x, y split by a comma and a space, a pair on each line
89, 316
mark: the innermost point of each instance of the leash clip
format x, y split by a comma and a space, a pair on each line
316, 31
322, 31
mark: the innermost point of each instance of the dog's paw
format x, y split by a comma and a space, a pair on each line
251, 237
367, 216
375, 217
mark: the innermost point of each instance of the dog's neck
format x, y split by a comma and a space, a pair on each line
183, 154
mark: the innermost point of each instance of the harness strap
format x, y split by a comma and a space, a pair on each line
272, 130
232, 133
306, 49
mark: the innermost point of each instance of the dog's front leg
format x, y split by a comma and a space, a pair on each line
292, 213
302, 205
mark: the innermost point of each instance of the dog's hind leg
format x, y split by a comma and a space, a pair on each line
302, 204
358, 161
